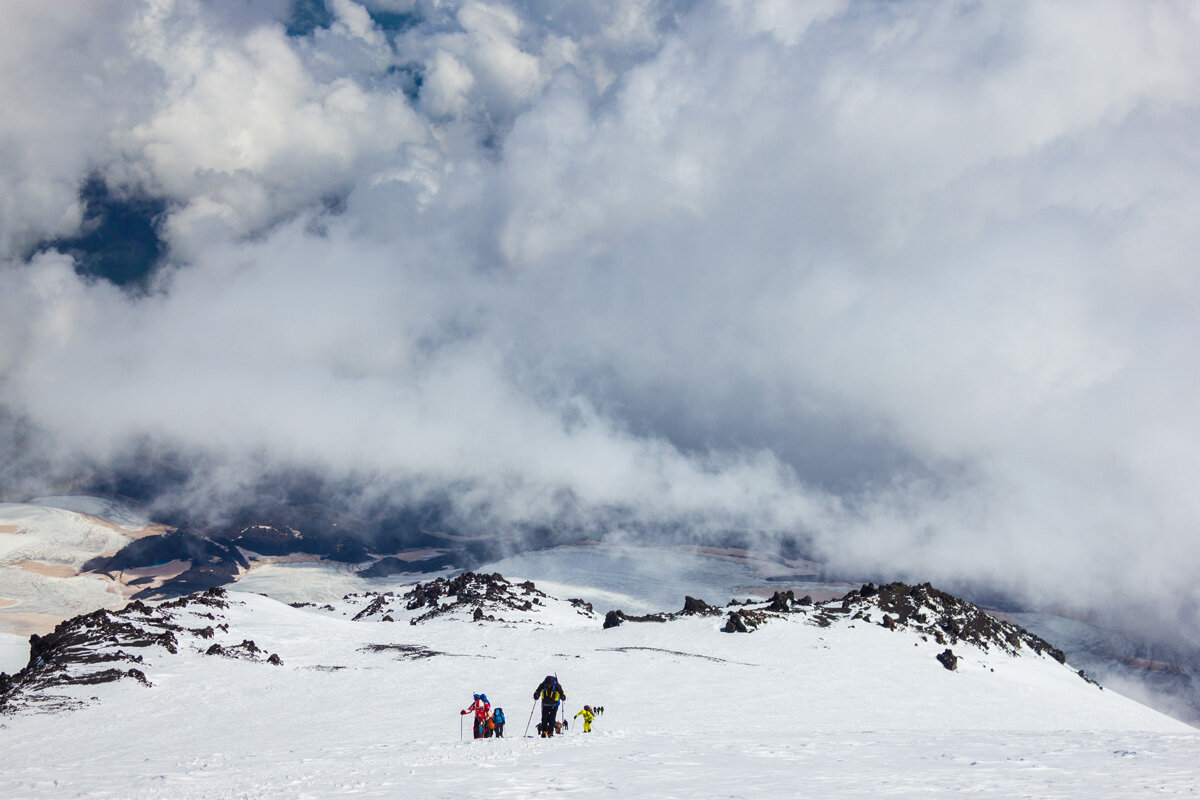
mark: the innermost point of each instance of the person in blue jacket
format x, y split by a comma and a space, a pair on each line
498, 722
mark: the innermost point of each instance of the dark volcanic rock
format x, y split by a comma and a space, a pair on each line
614, 618
949, 619
948, 659
197, 579
213, 563
391, 565
735, 624
106, 646
479, 594
584, 607
174, 546
72, 655
374, 607
782, 601
269, 540
692, 606
288, 528
246, 650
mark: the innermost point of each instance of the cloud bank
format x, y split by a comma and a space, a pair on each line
912, 281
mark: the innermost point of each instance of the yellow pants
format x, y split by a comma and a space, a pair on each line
587, 726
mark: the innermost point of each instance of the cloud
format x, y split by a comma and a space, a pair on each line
910, 280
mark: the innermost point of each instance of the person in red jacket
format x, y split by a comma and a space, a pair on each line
481, 707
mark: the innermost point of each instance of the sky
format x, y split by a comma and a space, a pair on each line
912, 281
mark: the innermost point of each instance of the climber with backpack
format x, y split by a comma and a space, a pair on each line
481, 707
498, 722
588, 715
551, 693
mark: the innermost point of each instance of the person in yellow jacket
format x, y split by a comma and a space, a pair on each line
588, 716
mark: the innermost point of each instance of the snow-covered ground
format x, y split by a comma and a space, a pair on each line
116, 513
792, 709
36, 533
43, 544
14, 652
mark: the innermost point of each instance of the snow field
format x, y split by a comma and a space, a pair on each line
54, 536
790, 710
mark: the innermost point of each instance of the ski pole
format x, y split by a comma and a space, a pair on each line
530, 717
562, 704
460, 722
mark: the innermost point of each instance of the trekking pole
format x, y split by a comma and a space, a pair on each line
530, 717
460, 722
562, 704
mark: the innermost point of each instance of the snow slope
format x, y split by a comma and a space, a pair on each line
41, 551
54, 535
792, 709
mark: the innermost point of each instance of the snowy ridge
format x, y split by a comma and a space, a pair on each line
111, 511
364, 697
933, 614
101, 647
107, 646
54, 536
469, 596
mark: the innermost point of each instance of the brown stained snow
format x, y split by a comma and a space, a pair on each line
49, 570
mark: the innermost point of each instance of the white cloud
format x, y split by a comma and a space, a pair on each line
913, 278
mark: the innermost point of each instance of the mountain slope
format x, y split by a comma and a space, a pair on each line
367, 707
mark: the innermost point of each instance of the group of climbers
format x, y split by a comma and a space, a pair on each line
488, 723
550, 692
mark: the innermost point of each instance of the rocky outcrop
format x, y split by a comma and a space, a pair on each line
480, 597
694, 607
933, 614
691, 607
735, 623
585, 608
391, 565
616, 617
106, 646
944, 618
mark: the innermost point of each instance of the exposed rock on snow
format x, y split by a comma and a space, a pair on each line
735, 624
372, 708
405, 651
614, 618
469, 596
934, 614
692, 607
98, 648
392, 565
944, 617
107, 646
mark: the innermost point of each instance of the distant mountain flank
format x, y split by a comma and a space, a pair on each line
63, 556
130, 644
